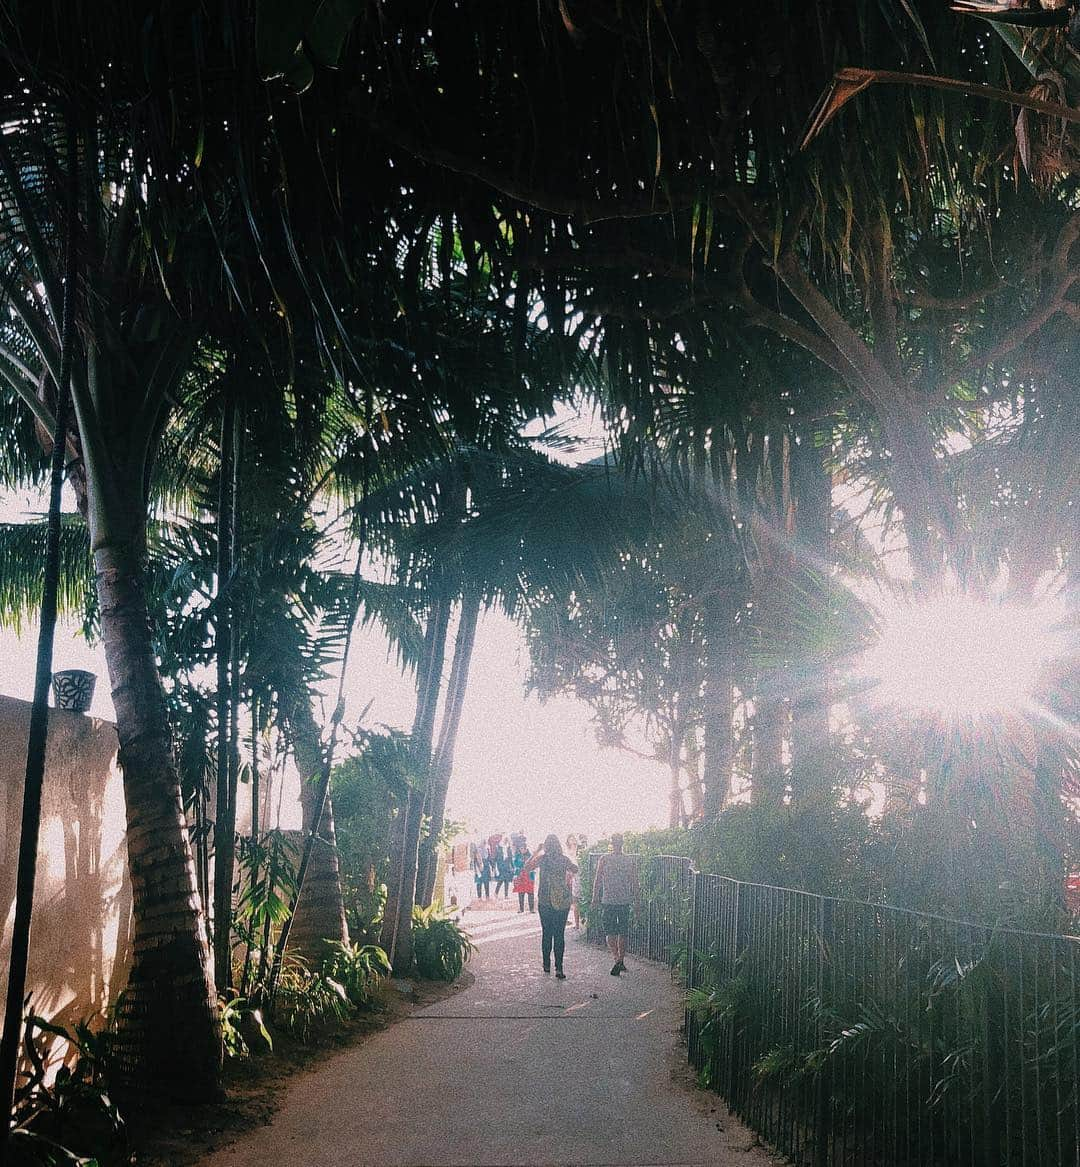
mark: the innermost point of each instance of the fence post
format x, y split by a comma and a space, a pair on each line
691, 967
823, 1102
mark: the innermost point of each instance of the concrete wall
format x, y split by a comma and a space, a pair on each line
81, 939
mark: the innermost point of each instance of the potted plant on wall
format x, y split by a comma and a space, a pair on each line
74, 689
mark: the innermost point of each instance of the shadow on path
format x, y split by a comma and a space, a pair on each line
519, 1069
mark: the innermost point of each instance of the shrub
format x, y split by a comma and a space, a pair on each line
72, 1120
240, 1023
358, 968
830, 849
440, 947
306, 998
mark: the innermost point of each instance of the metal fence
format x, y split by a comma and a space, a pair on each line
853, 1034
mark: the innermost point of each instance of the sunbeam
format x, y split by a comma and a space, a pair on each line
959, 656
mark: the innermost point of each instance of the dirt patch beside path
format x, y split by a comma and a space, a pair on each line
180, 1135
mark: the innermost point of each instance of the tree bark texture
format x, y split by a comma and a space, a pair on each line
694, 790
719, 709
320, 912
169, 1038
676, 803
443, 764
396, 937
813, 769
675, 796
225, 810
37, 739
768, 776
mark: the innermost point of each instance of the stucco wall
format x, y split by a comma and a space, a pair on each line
81, 939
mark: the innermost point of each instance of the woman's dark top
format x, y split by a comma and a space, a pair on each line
554, 891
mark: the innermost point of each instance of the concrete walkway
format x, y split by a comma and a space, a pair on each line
519, 1069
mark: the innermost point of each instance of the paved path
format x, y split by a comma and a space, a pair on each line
518, 1069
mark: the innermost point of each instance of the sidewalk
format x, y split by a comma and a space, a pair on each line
518, 1070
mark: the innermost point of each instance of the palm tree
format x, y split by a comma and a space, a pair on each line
120, 384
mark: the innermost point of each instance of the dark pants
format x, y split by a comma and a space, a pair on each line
553, 933
483, 886
521, 901
505, 885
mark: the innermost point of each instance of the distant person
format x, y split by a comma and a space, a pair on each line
573, 847
482, 873
524, 881
504, 872
552, 900
615, 888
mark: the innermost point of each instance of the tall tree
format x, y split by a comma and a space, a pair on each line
442, 763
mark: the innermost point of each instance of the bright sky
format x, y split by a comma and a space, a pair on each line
519, 763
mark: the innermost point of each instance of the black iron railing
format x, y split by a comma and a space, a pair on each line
853, 1034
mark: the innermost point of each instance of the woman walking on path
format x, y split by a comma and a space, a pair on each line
552, 900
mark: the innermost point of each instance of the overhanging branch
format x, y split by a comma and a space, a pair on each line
585, 210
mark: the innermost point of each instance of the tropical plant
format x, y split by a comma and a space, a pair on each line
64, 1113
266, 871
308, 999
440, 946
359, 968
717, 1001
239, 1021
370, 788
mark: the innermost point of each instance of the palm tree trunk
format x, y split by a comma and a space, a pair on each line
320, 911
695, 790
169, 1038
30, 823
675, 796
813, 771
225, 819
719, 709
396, 937
676, 809
768, 750
253, 835
443, 764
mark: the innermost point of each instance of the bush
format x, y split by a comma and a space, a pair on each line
369, 791
306, 998
440, 947
358, 968
72, 1120
829, 849
241, 1024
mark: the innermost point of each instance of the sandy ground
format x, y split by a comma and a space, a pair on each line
518, 1069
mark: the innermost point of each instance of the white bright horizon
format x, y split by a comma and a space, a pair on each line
519, 763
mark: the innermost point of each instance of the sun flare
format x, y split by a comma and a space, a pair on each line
960, 656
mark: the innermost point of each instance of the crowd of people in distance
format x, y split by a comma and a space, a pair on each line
503, 861
512, 866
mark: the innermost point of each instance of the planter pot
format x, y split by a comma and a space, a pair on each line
74, 689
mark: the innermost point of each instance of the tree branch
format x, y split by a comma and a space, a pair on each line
814, 343
1053, 303
585, 210
958, 303
27, 393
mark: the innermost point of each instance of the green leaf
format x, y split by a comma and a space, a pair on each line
279, 34
328, 29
